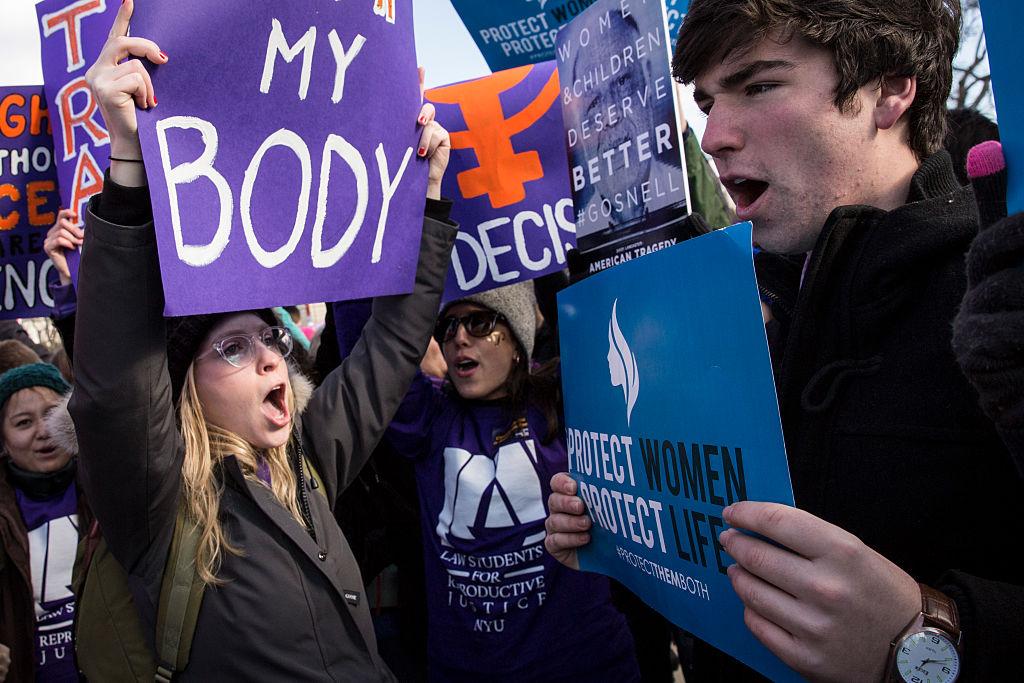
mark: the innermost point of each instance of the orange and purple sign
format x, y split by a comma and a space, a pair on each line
28, 201
508, 176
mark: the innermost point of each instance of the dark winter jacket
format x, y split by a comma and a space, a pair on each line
884, 434
17, 611
292, 607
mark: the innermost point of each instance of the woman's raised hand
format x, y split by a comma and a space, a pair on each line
434, 146
64, 236
119, 84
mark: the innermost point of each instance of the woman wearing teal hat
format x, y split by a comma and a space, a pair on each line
42, 514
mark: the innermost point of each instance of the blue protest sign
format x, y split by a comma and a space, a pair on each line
508, 178
675, 11
518, 32
671, 415
283, 169
625, 150
28, 201
1002, 20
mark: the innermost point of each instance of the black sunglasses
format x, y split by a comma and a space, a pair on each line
477, 324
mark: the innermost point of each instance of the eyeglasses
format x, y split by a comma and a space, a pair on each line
240, 349
477, 324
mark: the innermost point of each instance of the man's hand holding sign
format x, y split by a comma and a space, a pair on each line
815, 605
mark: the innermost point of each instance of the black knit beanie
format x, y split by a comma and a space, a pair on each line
186, 333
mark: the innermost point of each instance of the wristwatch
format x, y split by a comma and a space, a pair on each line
928, 649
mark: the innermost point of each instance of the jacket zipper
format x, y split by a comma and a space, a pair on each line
774, 300
307, 514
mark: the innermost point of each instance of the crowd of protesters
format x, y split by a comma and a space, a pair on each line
239, 496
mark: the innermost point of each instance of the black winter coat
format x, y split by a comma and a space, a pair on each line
292, 608
884, 434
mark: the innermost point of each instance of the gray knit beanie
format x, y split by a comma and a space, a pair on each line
517, 303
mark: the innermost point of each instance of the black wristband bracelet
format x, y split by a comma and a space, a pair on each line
133, 161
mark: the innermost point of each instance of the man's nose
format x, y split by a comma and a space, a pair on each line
723, 132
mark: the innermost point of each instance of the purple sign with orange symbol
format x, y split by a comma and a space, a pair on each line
508, 176
283, 170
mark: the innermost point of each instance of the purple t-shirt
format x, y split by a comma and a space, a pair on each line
499, 606
52, 526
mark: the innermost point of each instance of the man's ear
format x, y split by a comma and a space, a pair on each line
895, 95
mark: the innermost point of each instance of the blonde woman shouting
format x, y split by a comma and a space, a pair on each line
205, 414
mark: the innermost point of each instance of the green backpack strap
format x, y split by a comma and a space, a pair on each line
317, 484
181, 594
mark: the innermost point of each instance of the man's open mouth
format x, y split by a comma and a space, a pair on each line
745, 191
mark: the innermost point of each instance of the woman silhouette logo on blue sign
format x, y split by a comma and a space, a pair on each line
622, 364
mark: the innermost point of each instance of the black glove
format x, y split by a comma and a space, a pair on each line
988, 332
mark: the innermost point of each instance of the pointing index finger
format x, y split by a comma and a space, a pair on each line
123, 19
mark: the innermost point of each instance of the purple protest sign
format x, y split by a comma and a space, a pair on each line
71, 35
281, 157
509, 176
28, 201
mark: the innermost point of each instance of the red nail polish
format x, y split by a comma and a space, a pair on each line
423, 151
154, 101
164, 55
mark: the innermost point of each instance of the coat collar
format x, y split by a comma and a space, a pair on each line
874, 251
864, 264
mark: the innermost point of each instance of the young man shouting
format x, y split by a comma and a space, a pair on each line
826, 121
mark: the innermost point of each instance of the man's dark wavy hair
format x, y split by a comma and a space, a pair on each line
868, 39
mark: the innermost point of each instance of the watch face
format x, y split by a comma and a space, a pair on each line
927, 657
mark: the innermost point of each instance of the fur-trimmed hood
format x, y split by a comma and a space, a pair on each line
62, 428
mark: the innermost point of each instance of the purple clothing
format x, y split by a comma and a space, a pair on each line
65, 302
499, 606
52, 526
263, 471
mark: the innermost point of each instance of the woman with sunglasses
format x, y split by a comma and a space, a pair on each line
486, 443
205, 414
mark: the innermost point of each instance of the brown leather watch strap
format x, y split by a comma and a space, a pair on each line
940, 612
937, 611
